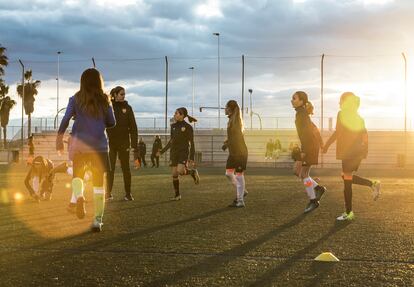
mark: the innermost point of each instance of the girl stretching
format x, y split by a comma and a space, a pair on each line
311, 142
89, 145
237, 160
351, 147
182, 150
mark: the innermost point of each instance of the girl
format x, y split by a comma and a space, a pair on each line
182, 149
89, 145
311, 142
237, 160
121, 138
39, 179
351, 147
156, 147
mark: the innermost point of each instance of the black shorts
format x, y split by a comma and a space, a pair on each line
350, 165
177, 158
311, 158
98, 162
238, 163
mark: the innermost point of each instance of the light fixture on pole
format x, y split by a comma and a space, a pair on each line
218, 78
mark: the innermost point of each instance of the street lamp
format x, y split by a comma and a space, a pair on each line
193, 96
57, 87
218, 77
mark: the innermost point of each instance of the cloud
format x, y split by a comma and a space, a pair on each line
109, 30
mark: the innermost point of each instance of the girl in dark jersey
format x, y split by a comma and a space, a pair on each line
311, 142
182, 150
237, 160
351, 147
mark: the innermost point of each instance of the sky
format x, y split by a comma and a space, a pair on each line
282, 42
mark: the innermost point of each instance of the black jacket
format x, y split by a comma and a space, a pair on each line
125, 133
235, 142
308, 133
142, 147
182, 139
156, 146
351, 136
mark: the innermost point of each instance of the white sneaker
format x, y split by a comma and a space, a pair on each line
96, 225
346, 216
237, 203
176, 198
376, 189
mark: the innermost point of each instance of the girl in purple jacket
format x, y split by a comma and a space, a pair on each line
92, 112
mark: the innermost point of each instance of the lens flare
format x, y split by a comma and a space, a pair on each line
18, 196
4, 197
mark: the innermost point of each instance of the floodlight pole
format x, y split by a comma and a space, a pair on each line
405, 104
22, 124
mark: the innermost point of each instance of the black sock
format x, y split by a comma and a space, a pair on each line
361, 181
176, 184
348, 195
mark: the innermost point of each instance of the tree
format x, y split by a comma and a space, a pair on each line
6, 105
4, 61
4, 90
30, 91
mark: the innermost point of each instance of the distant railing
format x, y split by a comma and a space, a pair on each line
42, 124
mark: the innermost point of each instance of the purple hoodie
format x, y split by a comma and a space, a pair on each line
88, 133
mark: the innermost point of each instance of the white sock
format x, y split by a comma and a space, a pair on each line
36, 183
232, 178
240, 186
69, 171
314, 183
309, 187
73, 198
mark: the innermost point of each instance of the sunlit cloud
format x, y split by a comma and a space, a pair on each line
209, 9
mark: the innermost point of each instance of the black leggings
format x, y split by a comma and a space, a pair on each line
123, 155
155, 158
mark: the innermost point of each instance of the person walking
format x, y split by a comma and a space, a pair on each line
122, 138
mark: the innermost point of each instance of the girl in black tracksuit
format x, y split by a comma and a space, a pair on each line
237, 160
182, 149
156, 148
311, 142
142, 149
121, 138
351, 147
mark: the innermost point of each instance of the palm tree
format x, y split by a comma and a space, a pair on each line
4, 90
6, 105
30, 91
3, 60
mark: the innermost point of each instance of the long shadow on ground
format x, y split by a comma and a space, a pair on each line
271, 275
217, 261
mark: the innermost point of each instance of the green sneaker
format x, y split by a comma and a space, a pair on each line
346, 216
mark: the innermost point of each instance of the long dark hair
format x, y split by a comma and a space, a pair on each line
184, 112
115, 91
91, 98
235, 119
306, 103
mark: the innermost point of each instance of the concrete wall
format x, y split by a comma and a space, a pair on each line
384, 147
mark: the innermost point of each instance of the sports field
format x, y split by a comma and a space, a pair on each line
199, 241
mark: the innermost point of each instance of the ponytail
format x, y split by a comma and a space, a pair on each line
184, 112
306, 103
